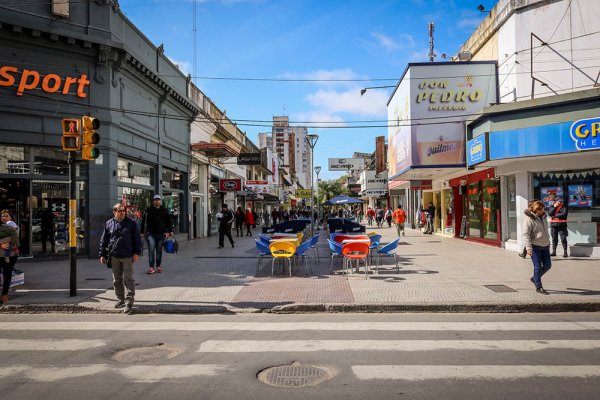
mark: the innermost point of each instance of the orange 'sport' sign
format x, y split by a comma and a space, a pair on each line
49, 83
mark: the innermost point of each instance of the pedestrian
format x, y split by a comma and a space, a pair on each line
388, 216
239, 222
120, 247
156, 226
537, 242
275, 216
249, 221
558, 214
399, 219
225, 220
430, 217
47, 229
379, 214
370, 216
9, 247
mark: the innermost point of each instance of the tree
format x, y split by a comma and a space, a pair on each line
331, 188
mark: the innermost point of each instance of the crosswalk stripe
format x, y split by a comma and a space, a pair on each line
135, 373
263, 346
482, 372
48, 345
299, 326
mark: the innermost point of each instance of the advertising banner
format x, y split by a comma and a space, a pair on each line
375, 192
581, 196
477, 150
549, 194
249, 159
303, 193
374, 181
346, 164
421, 184
229, 185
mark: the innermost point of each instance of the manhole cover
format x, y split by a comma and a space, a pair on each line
294, 375
155, 352
500, 288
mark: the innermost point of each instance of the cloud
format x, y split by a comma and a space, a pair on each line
380, 41
184, 66
469, 20
318, 117
373, 103
327, 77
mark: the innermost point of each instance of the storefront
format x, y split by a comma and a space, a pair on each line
543, 149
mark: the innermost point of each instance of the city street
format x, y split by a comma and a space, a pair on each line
424, 356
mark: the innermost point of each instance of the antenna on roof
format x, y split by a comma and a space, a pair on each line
431, 53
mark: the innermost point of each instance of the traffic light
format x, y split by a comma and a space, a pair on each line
71, 133
89, 138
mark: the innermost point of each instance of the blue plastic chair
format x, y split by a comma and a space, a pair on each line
263, 251
336, 250
375, 241
388, 251
314, 241
265, 239
301, 251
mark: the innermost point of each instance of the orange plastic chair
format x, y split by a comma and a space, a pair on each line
356, 252
282, 250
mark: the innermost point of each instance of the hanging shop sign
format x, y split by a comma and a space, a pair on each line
477, 150
346, 164
29, 79
249, 159
586, 133
375, 192
421, 185
230, 185
303, 193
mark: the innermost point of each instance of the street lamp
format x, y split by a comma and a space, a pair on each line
317, 170
312, 139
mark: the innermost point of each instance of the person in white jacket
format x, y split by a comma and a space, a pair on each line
537, 242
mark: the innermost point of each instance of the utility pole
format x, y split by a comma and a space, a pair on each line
431, 53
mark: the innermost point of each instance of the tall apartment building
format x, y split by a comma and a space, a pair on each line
265, 140
289, 142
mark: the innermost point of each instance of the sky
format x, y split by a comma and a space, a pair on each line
307, 59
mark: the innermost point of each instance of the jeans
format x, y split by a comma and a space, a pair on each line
540, 256
155, 245
429, 224
7, 270
122, 270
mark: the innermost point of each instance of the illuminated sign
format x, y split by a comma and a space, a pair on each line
586, 133
230, 184
477, 150
49, 83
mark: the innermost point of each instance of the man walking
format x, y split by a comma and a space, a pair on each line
156, 225
558, 225
225, 222
120, 247
399, 217
430, 215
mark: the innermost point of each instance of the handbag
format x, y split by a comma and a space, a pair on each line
171, 246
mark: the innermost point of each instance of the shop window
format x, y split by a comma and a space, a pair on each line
135, 172
511, 193
172, 179
491, 208
135, 200
195, 178
474, 210
14, 160
49, 161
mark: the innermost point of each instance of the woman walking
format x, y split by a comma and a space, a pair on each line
239, 222
537, 242
249, 220
9, 252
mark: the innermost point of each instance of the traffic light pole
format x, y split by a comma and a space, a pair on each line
72, 217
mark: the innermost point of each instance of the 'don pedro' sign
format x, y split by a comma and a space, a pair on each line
28, 79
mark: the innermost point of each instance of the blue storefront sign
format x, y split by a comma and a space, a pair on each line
477, 151
586, 134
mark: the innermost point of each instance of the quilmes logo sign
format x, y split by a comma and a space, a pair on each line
586, 133
477, 150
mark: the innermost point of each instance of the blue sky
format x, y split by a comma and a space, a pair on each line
363, 40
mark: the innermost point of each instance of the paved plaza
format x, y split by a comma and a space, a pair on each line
437, 274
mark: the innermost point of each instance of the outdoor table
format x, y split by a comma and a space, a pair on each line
294, 240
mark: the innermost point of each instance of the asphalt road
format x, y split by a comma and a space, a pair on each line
374, 356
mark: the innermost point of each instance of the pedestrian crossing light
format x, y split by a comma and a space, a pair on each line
71, 133
89, 138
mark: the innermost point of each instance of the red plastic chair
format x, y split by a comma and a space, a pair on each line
356, 252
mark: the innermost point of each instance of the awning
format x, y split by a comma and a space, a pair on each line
215, 150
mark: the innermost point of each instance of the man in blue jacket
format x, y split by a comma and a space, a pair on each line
120, 247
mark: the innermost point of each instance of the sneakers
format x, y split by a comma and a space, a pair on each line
232, 245
151, 271
120, 304
158, 269
541, 290
128, 309
531, 280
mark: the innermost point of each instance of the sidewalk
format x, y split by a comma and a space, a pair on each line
437, 274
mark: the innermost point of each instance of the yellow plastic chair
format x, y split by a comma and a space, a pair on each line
284, 250
372, 233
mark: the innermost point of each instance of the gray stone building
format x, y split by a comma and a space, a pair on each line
86, 58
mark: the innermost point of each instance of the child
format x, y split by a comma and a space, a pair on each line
8, 233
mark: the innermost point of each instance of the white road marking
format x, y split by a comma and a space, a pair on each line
287, 346
135, 373
473, 372
48, 344
298, 326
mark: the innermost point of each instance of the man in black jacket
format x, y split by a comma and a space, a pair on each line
156, 225
558, 225
225, 221
120, 247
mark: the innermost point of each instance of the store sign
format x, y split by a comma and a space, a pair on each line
252, 183
586, 133
346, 164
249, 159
421, 185
28, 79
354, 187
375, 192
477, 151
303, 193
376, 181
230, 185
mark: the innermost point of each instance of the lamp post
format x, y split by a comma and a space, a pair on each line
317, 170
312, 139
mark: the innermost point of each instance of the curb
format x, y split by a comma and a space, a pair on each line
313, 308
